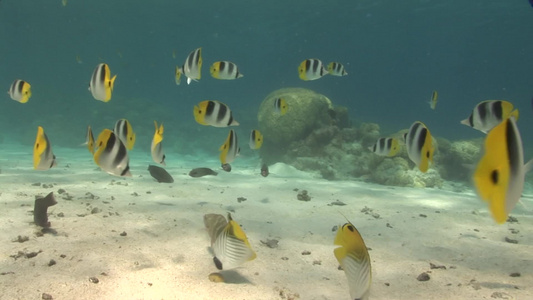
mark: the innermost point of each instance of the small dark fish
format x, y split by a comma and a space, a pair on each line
226, 167
160, 174
199, 172
264, 170
40, 210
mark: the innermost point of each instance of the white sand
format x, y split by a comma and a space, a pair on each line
164, 255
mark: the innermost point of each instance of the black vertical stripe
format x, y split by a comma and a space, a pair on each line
422, 138
102, 73
222, 66
482, 111
513, 147
497, 109
230, 68
389, 144
307, 65
121, 154
111, 141
20, 85
210, 108
222, 111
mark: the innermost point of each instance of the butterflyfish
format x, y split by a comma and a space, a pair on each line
101, 84
280, 106
214, 113
336, 69
311, 69
89, 140
230, 149
229, 243
192, 68
225, 70
256, 139
419, 144
157, 147
125, 133
386, 147
433, 100
354, 259
499, 176
111, 155
20, 91
490, 113
43, 157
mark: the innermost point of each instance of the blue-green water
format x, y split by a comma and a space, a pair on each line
396, 55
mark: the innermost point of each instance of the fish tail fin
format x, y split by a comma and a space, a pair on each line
515, 114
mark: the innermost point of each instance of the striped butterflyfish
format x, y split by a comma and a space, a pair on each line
158, 155
280, 106
230, 149
311, 69
192, 68
214, 113
354, 259
111, 155
101, 84
225, 70
336, 69
256, 139
20, 91
419, 144
125, 133
490, 113
386, 147
499, 176
229, 243
43, 157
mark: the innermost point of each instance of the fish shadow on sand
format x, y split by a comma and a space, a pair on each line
233, 277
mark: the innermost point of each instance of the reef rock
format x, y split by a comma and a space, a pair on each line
307, 111
456, 160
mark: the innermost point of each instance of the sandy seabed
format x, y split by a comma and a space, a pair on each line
146, 240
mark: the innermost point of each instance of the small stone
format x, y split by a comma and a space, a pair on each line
306, 252
335, 228
423, 277
303, 196
434, 266
388, 225
387, 284
95, 210
317, 262
123, 233
241, 199
36, 184
51, 262
512, 219
515, 274
270, 243
512, 241
337, 202
61, 191
46, 296
93, 280
284, 258
216, 277
422, 216
21, 239
60, 215
514, 231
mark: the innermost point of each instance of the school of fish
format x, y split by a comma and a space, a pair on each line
498, 178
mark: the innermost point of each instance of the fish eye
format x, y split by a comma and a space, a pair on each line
427, 154
494, 176
37, 146
350, 227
